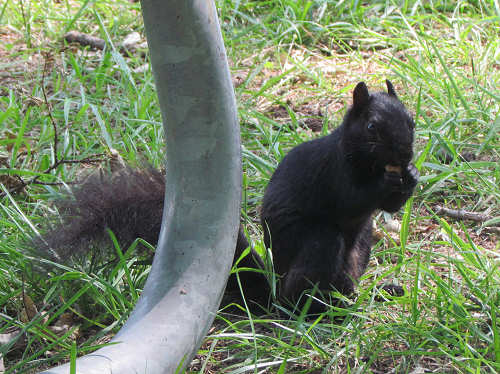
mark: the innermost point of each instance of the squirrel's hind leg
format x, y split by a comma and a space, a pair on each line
319, 263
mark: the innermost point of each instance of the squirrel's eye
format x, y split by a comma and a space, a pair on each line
370, 126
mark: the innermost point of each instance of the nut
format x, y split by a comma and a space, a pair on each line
393, 169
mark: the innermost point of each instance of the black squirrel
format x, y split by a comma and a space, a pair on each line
317, 209
318, 206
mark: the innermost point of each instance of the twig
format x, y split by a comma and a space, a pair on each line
95, 158
492, 230
88, 160
84, 39
49, 109
26, 25
36, 180
38, 183
129, 45
462, 214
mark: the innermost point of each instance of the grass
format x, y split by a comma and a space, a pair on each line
294, 65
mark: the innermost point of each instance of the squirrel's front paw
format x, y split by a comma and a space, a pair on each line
393, 181
410, 176
396, 181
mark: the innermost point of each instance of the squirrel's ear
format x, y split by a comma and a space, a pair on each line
360, 95
390, 88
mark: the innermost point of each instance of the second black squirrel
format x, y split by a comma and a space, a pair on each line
317, 209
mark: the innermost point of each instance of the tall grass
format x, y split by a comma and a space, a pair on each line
294, 63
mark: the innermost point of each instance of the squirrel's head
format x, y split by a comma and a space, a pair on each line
378, 130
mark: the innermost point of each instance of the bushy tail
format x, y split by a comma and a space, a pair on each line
129, 202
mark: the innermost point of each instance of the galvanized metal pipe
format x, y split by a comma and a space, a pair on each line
200, 218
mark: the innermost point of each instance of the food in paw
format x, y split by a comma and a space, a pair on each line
393, 169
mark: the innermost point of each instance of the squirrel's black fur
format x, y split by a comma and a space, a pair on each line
317, 208
129, 202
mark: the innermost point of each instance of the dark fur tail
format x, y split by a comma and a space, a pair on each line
129, 202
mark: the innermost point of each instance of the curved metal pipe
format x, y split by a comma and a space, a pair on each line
200, 217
